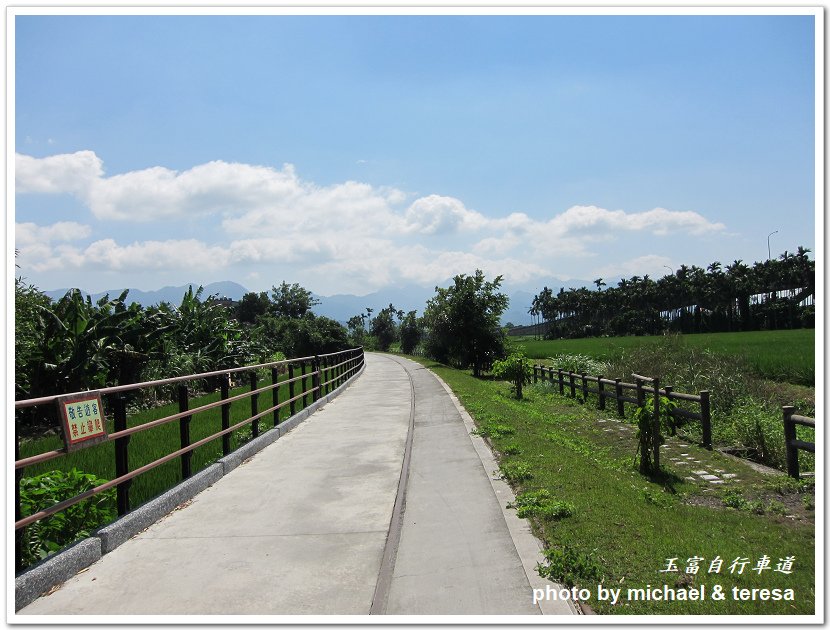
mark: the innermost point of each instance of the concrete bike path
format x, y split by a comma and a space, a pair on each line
303, 527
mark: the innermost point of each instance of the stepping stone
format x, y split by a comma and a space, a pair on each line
729, 476
682, 463
715, 481
711, 478
690, 479
700, 472
684, 454
718, 471
601, 421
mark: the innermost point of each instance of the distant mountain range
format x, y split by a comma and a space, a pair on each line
173, 295
337, 307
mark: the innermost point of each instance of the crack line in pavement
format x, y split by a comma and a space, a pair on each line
380, 599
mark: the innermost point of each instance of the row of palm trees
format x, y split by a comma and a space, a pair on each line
773, 294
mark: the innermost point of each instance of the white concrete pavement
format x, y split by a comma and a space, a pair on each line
301, 528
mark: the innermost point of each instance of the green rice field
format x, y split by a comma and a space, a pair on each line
779, 355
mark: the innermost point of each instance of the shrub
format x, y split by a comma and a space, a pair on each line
51, 534
515, 472
570, 566
516, 368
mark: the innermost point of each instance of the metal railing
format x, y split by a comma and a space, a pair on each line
316, 377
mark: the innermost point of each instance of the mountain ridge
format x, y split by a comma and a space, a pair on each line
340, 307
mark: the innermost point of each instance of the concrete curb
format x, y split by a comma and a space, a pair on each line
142, 517
55, 570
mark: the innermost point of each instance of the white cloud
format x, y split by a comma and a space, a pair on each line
26, 234
348, 233
587, 220
73, 173
441, 215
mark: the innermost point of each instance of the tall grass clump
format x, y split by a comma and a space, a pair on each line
577, 363
741, 418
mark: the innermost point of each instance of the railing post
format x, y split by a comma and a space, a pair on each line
275, 393
18, 514
561, 381
122, 461
315, 379
618, 392
584, 386
789, 438
184, 432
303, 383
535, 373
291, 388
254, 406
601, 392
572, 384
225, 389
706, 418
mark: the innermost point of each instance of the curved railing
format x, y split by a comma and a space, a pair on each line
307, 378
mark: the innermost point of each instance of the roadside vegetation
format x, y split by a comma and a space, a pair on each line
783, 356
746, 409
601, 521
50, 482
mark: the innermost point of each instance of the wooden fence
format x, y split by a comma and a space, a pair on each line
620, 392
793, 444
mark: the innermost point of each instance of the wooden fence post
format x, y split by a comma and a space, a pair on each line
618, 393
706, 418
572, 384
789, 438
561, 382
668, 389
584, 386
601, 392
656, 449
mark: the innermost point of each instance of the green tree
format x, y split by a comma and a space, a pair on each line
252, 306
28, 334
410, 332
383, 327
291, 301
462, 322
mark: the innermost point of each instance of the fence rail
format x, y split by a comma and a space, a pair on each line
318, 376
618, 391
793, 444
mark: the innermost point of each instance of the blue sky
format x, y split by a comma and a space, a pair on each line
350, 153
